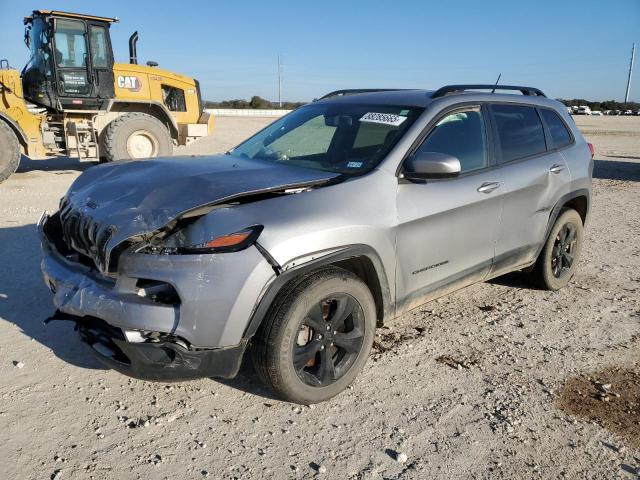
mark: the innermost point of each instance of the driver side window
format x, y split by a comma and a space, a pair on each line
462, 134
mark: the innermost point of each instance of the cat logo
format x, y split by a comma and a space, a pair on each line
130, 83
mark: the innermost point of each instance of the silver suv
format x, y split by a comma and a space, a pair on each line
338, 217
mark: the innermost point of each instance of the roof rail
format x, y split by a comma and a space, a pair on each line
353, 91
529, 91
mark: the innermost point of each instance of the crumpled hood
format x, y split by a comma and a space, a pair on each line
137, 197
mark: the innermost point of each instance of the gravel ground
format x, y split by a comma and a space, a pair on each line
495, 381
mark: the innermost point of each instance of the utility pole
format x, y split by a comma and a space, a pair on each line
279, 82
633, 54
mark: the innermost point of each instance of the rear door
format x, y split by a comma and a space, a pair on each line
447, 228
535, 176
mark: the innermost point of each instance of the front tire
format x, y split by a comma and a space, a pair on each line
316, 337
558, 259
136, 136
9, 152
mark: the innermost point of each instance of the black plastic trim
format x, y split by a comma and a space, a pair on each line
555, 211
155, 361
351, 251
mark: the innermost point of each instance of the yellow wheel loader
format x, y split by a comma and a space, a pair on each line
71, 99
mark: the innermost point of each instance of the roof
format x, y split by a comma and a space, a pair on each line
57, 13
423, 97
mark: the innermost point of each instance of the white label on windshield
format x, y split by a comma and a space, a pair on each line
383, 118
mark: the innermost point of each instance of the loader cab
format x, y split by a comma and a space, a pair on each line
71, 61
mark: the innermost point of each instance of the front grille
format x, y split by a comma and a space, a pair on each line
84, 235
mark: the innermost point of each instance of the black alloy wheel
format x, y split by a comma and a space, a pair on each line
562, 255
329, 340
317, 336
556, 263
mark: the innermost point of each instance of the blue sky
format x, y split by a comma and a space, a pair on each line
568, 48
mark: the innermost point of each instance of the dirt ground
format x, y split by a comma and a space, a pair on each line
496, 381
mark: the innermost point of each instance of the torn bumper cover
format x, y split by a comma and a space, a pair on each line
196, 334
158, 360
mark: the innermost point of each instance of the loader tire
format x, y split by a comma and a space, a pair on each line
9, 152
136, 136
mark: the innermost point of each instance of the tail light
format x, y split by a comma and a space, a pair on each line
592, 149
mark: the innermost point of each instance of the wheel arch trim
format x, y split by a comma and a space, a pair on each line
333, 257
557, 208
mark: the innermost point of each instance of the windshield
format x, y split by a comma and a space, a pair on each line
344, 138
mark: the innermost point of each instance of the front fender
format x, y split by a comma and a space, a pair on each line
299, 267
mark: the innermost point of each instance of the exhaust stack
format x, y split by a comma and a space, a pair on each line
133, 54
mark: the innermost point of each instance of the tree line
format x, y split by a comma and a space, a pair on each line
259, 103
256, 103
605, 105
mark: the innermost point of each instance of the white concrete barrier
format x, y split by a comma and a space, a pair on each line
245, 112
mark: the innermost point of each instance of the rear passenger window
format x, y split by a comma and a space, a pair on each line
559, 133
461, 134
520, 131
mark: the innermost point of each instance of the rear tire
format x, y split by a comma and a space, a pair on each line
136, 136
317, 336
558, 259
9, 151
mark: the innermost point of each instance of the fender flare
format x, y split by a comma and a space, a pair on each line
345, 253
22, 137
557, 208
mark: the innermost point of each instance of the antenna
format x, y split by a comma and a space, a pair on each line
633, 54
494, 87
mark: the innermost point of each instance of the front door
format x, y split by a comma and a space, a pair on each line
448, 228
71, 59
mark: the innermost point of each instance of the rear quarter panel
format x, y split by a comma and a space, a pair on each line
578, 159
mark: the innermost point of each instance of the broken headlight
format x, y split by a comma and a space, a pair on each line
232, 242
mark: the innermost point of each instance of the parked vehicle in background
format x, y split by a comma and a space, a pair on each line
628, 112
637, 112
583, 110
596, 112
336, 218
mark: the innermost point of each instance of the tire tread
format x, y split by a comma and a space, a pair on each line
110, 153
264, 350
14, 151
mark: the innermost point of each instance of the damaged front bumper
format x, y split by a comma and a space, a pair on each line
160, 360
196, 332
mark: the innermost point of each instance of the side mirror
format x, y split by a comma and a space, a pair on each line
426, 165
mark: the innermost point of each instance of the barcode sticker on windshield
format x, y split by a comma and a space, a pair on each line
383, 118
